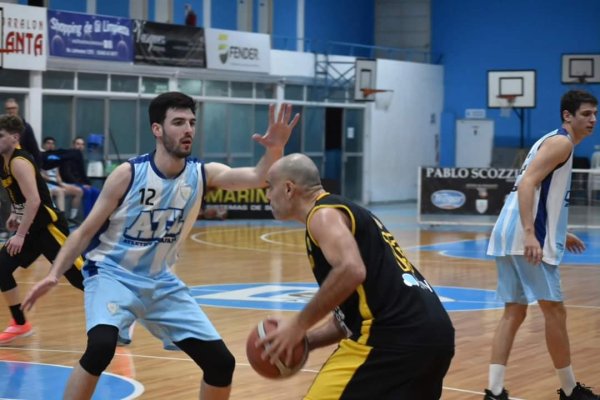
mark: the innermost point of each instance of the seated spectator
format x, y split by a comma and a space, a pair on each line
72, 170
56, 183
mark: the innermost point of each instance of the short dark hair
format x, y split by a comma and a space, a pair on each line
48, 139
163, 102
11, 124
573, 99
77, 138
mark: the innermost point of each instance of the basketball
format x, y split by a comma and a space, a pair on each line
264, 367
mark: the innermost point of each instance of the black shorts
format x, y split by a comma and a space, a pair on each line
47, 242
357, 372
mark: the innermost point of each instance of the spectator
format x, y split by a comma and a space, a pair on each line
56, 183
190, 15
72, 170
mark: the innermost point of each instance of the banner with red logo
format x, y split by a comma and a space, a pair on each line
23, 36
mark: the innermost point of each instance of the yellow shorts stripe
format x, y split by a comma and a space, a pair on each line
338, 370
61, 238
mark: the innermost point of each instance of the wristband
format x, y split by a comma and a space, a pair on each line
20, 235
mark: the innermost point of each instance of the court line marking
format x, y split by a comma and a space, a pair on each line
138, 388
196, 238
184, 359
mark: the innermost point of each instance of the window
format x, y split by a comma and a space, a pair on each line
92, 81
155, 85
124, 83
14, 78
58, 80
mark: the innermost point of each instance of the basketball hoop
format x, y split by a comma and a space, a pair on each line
509, 102
382, 97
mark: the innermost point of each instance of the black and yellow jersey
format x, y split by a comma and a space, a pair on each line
46, 213
395, 306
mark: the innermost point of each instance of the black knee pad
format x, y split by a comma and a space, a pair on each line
213, 357
101, 345
7, 281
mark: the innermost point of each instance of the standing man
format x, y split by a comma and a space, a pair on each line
28, 141
145, 210
395, 338
528, 242
38, 227
72, 170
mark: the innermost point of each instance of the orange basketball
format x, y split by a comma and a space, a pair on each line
264, 367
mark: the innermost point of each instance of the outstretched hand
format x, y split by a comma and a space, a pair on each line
280, 127
40, 289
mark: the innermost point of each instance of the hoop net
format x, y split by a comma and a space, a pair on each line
383, 97
509, 102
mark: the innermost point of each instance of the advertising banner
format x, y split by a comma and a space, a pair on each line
166, 44
238, 51
465, 191
23, 37
96, 37
242, 204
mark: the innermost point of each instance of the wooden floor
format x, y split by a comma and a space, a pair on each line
229, 252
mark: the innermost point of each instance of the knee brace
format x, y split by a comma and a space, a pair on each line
101, 345
213, 357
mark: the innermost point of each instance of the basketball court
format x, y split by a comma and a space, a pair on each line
242, 271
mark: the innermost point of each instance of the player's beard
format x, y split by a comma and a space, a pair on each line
175, 148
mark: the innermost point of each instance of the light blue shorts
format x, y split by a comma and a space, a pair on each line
163, 305
523, 283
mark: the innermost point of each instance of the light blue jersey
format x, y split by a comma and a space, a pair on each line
550, 210
128, 275
145, 231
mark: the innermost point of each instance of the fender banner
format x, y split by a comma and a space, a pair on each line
465, 191
240, 204
96, 37
23, 35
166, 44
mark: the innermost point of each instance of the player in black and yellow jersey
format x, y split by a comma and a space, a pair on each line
39, 228
395, 338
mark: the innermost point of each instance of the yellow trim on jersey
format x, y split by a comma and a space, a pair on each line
61, 239
365, 312
338, 371
314, 209
21, 157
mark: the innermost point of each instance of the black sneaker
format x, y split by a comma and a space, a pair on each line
491, 396
581, 392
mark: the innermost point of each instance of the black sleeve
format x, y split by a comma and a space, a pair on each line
30, 145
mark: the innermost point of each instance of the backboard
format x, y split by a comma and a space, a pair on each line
580, 68
520, 84
365, 77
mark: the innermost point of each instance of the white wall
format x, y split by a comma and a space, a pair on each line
403, 137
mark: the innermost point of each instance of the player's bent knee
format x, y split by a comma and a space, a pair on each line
7, 281
102, 342
213, 357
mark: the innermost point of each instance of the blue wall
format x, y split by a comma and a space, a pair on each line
67, 5
224, 14
113, 8
285, 25
475, 36
334, 20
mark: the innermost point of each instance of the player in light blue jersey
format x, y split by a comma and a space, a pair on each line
145, 210
528, 242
